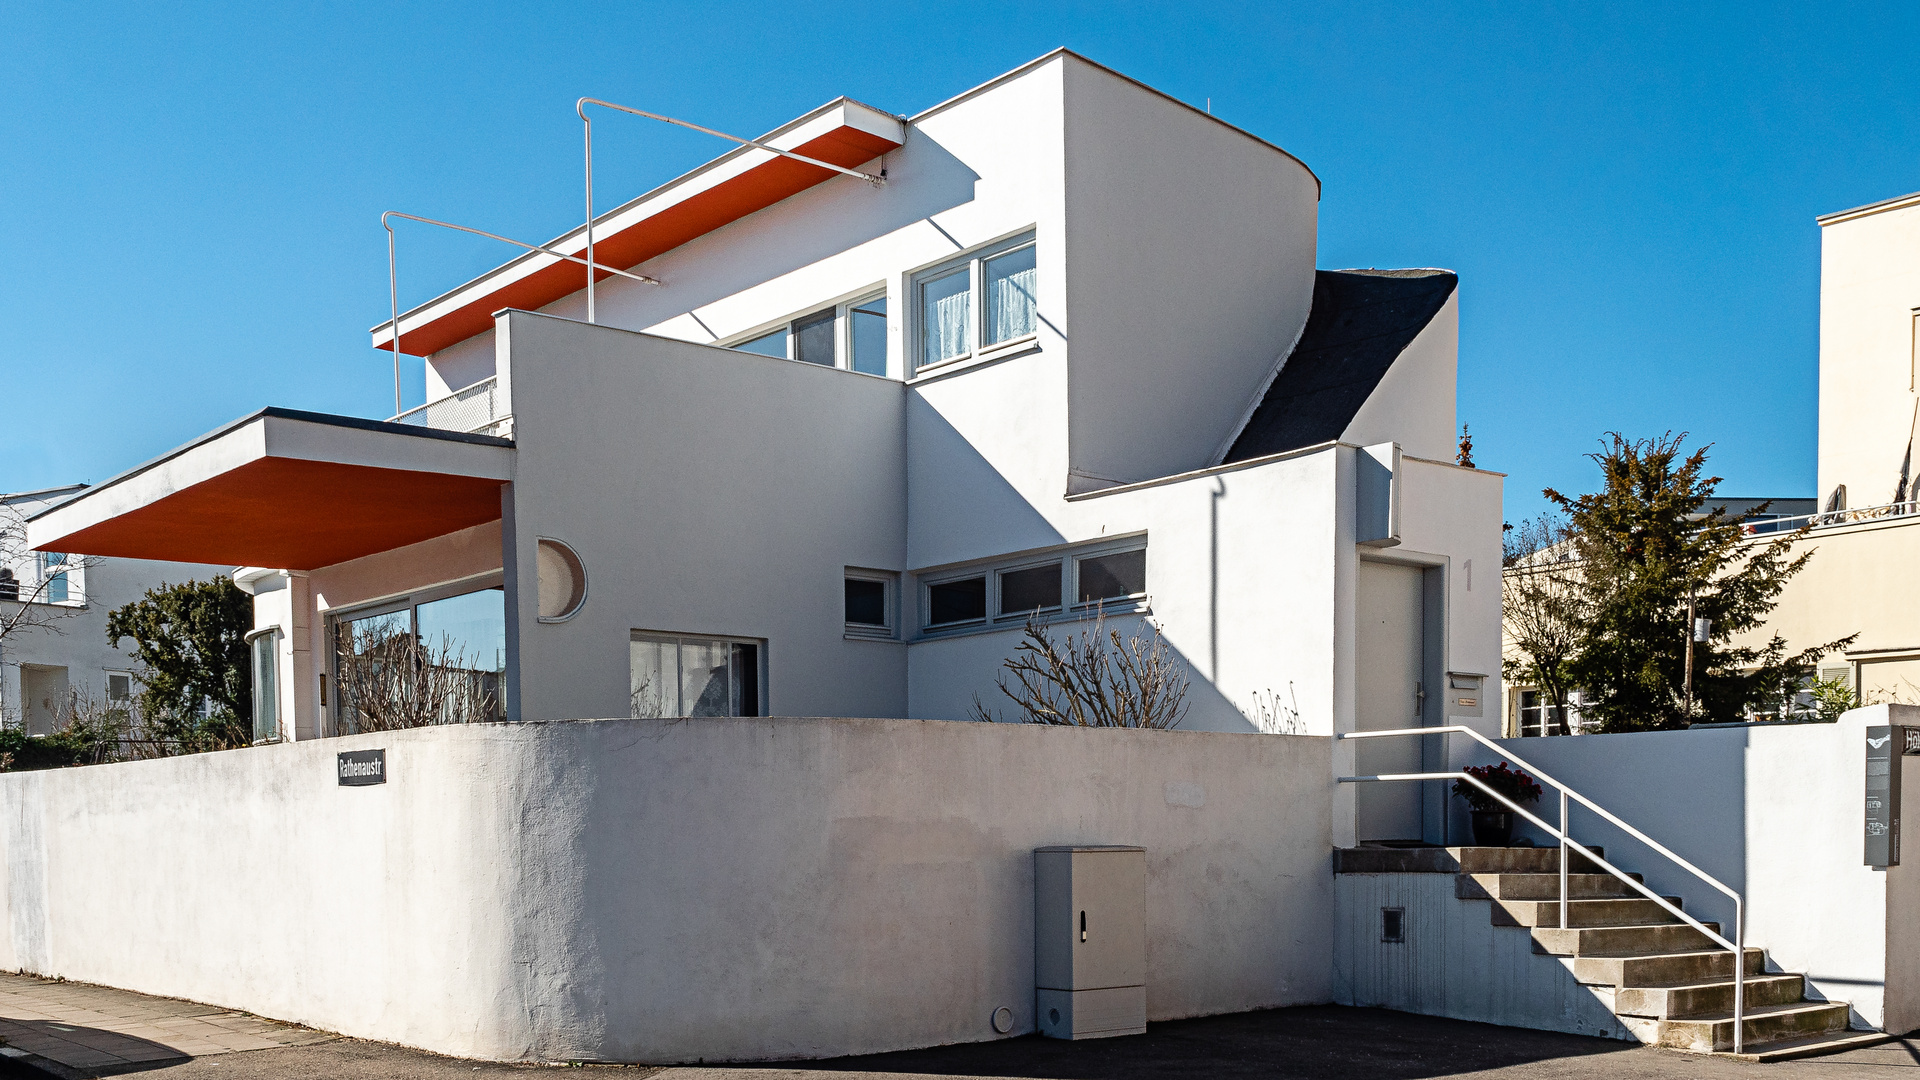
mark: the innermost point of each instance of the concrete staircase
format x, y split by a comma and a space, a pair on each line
1666, 982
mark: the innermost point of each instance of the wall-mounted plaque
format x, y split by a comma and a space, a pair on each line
359, 768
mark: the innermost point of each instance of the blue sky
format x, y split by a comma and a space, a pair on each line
190, 193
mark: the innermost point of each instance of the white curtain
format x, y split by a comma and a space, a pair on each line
1011, 284
946, 317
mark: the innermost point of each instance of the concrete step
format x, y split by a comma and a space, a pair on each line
1831, 1043
1764, 1024
1615, 912
1541, 886
1706, 999
1643, 940
1457, 860
1663, 969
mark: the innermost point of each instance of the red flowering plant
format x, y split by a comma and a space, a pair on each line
1512, 783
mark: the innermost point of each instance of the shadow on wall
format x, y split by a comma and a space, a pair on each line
923, 179
965, 502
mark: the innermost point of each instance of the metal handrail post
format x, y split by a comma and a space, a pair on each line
393, 287
1563, 860
1739, 975
581, 108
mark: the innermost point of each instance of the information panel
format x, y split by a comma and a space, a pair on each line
1885, 746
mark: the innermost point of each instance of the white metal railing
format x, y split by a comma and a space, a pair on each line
1831, 518
1737, 945
472, 409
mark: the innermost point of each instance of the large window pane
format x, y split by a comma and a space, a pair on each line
744, 676
1010, 283
774, 344
703, 678
946, 317
869, 336
655, 678
813, 339
1032, 589
371, 662
1111, 577
957, 601
463, 642
52, 572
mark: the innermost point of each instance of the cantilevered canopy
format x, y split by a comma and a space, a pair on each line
723, 191
286, 489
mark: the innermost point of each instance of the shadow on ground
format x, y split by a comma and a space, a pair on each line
1310, 1043
95, 1051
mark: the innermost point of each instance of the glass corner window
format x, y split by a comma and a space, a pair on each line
673, 675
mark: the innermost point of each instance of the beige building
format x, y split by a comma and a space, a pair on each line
1865, 578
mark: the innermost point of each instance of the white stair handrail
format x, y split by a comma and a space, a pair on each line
1737, 945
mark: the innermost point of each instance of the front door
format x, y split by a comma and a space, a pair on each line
1388, 660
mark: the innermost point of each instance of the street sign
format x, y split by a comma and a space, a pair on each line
1885, 747
358, 768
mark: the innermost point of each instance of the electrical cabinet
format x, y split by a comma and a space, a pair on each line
1090, 941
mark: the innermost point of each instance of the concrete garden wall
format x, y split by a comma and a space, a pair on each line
1776, 813
667, 890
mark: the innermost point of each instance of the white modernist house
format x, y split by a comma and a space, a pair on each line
728, 550
59, 653
860, 430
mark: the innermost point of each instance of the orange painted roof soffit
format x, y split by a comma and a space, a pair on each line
718, 193
289, 490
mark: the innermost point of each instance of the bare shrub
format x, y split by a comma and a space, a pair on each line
1097, 677
1275, 717
391, 680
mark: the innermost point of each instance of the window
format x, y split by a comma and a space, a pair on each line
53, 575
676, 675
436, 657
962, 600
263, 648
1111, 572
119, 687
1536, 714
9, 585
989, 298
852, 335
869, 604
1116, 575
1030, 589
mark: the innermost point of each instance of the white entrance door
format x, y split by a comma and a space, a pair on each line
1388, 659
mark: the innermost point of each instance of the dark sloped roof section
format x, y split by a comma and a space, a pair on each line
1361, 321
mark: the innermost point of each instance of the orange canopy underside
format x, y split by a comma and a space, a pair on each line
293, 514
699, 214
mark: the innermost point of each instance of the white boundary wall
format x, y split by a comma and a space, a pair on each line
666, 890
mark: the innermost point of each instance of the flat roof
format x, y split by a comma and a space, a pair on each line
1898, 202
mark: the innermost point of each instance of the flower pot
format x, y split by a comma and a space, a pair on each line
1492, 828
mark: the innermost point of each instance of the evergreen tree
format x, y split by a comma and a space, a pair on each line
1645, 546
191, 641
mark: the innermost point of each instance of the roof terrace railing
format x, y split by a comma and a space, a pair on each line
472, 410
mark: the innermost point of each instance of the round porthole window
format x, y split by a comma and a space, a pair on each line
563, 581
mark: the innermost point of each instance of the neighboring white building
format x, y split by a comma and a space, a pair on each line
61, 652
1073, 353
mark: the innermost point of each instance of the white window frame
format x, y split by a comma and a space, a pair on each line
1067, 556
890, 581
842, 330
1109, 603
974, 261
127, 675
272, 635
408, 602
677, 638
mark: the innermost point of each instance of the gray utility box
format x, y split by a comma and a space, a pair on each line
1090, 941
